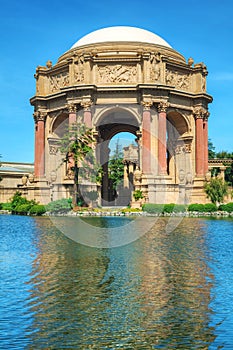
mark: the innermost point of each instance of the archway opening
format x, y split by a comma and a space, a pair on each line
117, 132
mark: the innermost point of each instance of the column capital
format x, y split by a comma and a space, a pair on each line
39, 116
147, 105
86, 104
200, 113
71, 107
163, 106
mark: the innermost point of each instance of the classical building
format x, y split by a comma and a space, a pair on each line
125, 79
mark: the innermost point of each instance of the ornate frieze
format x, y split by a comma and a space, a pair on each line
53, 149
117, 74
178, 79
58, 81
183, 148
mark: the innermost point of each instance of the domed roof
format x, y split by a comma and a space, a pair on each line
121, 34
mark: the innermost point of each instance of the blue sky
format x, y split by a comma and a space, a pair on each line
32, 32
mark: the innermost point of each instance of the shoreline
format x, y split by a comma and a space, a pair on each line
119, 213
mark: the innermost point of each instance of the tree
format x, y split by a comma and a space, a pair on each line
216, 189
116, 166
76, 145
211, 148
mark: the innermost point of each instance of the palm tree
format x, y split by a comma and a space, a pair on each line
76, 144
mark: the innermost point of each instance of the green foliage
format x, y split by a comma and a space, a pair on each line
17, 201
76, 145
116, 166
196, 207
6, 206
203, 208
210, 207
37, 209
226, 207
216, 189
138, 195
164, 208
211, 150
23, 209
60, 205
153, 208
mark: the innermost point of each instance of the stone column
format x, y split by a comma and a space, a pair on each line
72, 113
205, 141
146, 138
39, 167
162, 135
198, 113
87, 117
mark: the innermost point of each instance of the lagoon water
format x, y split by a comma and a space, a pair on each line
166, 290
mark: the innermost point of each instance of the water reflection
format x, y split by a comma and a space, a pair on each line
163, 291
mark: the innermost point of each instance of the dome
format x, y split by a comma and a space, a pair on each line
120, 34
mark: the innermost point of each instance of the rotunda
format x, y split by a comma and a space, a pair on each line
125, 79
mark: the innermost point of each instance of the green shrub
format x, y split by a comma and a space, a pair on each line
152, 208
1, 206
226, 207
60, 205
23, 209
179, 208
137, 195
37, 209
196, 207
168, 208
210, 207
6, 206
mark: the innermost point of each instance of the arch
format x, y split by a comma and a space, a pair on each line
59, 125
108, 123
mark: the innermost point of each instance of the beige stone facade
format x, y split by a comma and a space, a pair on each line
147, 89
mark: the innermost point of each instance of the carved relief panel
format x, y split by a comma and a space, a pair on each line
118, 73
58, 81
180, 80
155, 67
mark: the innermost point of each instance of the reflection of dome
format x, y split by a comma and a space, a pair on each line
121, 34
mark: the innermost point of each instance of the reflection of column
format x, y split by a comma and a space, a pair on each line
146, 138
205, 142
198, 112
72, 113
162, 132
126, 180
87, 113
39, 118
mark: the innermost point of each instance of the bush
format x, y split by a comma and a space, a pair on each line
196, 207
23, 209
168, 208
138, 195
210, 207
6, 206
179, 208
61, 205
153, 208
226, 207
37, 209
